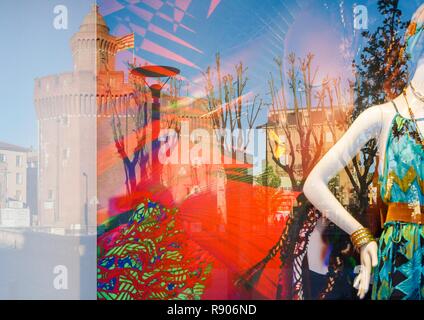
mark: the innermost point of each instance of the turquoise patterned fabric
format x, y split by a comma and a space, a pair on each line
402, 180
414, 44
400, 272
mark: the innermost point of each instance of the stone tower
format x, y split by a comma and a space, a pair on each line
93, 43
66, 110
76, 141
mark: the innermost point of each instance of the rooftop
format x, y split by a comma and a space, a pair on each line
12, 147
94, 21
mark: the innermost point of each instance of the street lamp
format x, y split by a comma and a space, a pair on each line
86, 202
154, 71
3, 186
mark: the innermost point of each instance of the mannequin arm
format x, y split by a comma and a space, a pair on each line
367, 126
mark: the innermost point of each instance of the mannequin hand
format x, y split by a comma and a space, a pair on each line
368, 260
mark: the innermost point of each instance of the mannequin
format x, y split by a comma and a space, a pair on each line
376, 122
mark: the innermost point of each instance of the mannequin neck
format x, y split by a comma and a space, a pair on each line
416, 104
418, 79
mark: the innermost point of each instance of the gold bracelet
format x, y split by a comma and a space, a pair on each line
361, 237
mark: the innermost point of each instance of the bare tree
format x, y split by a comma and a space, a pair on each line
251, 115
139, 116
217, 106
297, 124
229, 107
170, 119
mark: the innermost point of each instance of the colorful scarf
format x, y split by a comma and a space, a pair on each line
414, 40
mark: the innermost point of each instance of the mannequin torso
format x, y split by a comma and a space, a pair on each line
399, 257
388, 112
374, 123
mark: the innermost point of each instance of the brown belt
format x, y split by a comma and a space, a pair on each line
403, 212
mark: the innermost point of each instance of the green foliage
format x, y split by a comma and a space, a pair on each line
381, 74
268, 178
334, 186
381, 70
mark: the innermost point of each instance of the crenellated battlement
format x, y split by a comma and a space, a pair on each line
65, 94
65, 83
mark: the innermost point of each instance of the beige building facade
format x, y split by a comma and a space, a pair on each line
13, 177
320, 121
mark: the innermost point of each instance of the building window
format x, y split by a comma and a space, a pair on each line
66, 153
50, 195
46, 159
18, 195
19, 160
65, 121
2, 157
19, 178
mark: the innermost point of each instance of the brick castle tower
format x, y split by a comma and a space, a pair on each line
79, 167
66, 111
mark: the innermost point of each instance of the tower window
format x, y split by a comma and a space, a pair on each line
50, 195
66, 153
65, 121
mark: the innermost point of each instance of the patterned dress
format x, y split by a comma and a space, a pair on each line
400, 270
150, 258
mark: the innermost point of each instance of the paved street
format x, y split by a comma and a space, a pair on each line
28, 261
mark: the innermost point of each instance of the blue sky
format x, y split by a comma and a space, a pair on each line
248, 30
31, 48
